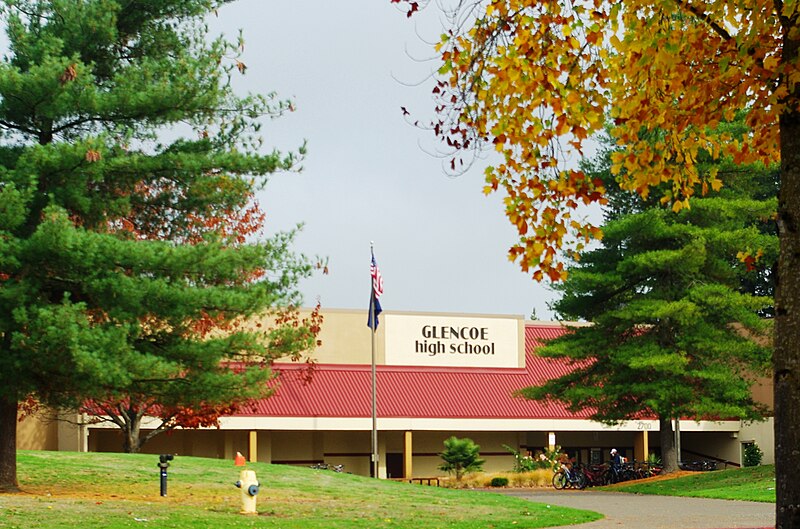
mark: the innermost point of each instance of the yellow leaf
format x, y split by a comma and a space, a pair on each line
771, 63
594, 118
573, 98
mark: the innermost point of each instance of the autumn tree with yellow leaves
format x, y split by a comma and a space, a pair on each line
536, 80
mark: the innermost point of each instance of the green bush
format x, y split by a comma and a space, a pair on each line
499, 482
460, 456
752, 455
653, 458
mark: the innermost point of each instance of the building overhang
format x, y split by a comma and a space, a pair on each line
442, 424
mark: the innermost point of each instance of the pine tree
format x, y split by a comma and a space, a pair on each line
107, 261
674, 313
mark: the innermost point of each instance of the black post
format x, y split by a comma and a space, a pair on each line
163, 481
163, 464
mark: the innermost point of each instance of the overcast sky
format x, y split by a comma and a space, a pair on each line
349, 67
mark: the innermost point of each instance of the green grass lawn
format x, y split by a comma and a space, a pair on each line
753, 484
71, 490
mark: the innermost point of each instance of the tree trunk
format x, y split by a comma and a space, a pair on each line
131, 443
669, 455
786, 357
8, 446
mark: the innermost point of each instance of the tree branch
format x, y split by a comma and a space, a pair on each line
705, 17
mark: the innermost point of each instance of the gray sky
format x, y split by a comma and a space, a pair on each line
349, 66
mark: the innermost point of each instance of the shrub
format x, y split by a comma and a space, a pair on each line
653, 459
551, 459
752, 455
521, 463
546, 459
460, 456
499, 482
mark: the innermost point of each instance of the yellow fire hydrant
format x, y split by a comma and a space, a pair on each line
250, 486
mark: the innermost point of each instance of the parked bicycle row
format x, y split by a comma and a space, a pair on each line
579, 476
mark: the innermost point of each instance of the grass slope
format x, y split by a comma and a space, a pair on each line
752, 484
69, 490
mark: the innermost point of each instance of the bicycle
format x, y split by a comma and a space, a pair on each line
698, 466
618, 473
595, 475
650, 469
326, 466
569, 478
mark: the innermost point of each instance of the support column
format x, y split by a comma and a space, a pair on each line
641, 446
646, 444
382, 456
252, 447
408, 455
551, 441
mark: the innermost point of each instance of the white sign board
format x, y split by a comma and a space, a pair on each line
451, 341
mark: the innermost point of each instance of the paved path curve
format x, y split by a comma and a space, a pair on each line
629, 511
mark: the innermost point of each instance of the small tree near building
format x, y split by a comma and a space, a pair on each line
460, 457
752, 455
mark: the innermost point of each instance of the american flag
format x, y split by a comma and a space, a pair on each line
377, 278
377, 290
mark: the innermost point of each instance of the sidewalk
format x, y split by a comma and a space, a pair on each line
637, 511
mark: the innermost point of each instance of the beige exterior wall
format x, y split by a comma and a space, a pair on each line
37, 433
763, 392
716, 446
352, 449
72, 434
428, 445
346, 339
297, 448
762, 433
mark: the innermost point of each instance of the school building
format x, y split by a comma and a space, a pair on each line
437, 375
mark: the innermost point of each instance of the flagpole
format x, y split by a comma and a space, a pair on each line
373, 322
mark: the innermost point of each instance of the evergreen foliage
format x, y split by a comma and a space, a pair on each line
112, 239
752, 455
673, 314
461, 456
499, 481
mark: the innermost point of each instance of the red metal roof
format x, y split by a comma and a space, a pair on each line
418, 392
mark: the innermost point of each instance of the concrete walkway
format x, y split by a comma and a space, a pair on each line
629, 511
